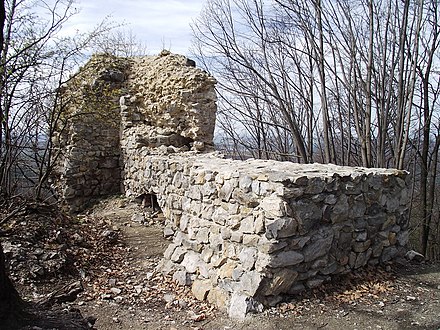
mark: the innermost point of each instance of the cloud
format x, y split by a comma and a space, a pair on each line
157, 24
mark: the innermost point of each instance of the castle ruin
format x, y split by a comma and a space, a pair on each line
244, 233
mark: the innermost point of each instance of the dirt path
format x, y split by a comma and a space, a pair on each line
134, 296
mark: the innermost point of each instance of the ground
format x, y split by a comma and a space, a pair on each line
114, 249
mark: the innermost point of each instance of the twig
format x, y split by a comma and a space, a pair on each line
12, 214
66, 293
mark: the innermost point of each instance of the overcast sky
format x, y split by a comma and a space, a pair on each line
156, 23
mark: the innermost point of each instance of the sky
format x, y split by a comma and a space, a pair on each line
158, 24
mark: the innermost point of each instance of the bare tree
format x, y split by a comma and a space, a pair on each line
429, 103
239, 41
119, 42
352, 82
10, 302
35, 62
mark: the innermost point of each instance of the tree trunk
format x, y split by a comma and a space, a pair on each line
11, 306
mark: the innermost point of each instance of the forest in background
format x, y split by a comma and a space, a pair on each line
346, 82
349, 82
37, 57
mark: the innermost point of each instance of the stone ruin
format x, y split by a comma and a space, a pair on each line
244, 233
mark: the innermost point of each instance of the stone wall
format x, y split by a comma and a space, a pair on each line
170, 102
246, 232
243, 233
142, 101
87, 136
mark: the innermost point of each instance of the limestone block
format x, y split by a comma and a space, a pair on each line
340, 210
300, 180
219, 297
248, 256
220, 216
263, 261
241, 304
192, 262
230, 250
274, 207
207, 254
207, 211
388, 253
295, 243
329, 269
192, 245
319, 245
245, 183
377, 249
330, 199
201, 288
357, 209
248, 199
225, 192
208, 189
267, 246
402, 238
237, 273
319, 263
392, 238
216, 242
250, 239
236, 236
233, 222
182, 278
361, 246
247, 225
259, 225
285, 259
362, 258
226, 233
281, 282
255, 187
184, 222
250, 282
315, 186
202, 235
281, 227
194, 193
169, 251
390, 221
227, 269
290, 193
231, 208
307, 214
177, 255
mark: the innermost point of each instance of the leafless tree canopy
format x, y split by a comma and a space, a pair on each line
348, 82
36, 59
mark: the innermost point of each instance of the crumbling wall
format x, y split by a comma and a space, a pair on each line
87, 137
170, 103
243, 233
247, 232
116, 102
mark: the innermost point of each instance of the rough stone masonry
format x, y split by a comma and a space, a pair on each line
244, 233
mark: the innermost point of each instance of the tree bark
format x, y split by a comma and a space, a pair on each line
11, 306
